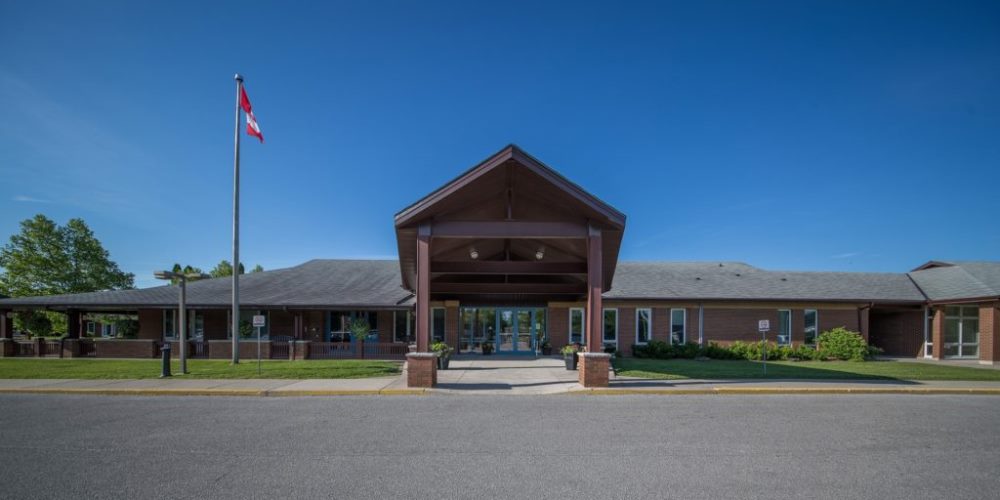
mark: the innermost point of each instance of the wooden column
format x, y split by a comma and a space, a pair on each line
423, 287
595, 284
6, 325
74, 323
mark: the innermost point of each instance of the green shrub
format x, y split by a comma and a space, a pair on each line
716, 351
805, 353
843, 344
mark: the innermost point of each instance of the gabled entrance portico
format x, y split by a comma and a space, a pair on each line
509, 233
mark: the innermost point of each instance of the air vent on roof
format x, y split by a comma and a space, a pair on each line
784, 279
738, 275
697, 278
720, 264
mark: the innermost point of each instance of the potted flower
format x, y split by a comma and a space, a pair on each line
487, 348
359, 330
546, 348
443, 352
569, 355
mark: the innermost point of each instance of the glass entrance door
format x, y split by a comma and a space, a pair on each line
509, 330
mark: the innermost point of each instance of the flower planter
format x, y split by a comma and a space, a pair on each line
571, 361
443, 362
547, 351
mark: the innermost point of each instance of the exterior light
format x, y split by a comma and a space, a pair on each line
540, 253
473, 253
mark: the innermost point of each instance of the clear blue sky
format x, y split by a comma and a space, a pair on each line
790, 135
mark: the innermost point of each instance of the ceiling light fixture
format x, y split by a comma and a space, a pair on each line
540, 253
473, 253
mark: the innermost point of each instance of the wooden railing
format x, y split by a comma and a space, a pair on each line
25, 348
355, 350
52, 348
87, 348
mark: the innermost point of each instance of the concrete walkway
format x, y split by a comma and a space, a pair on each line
489, 376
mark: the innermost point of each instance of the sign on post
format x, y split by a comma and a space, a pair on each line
259, 320
763, 326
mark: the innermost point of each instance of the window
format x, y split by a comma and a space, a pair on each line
169, 317
437, 324
403, 329
91, 328
643, 323
961, 332
678, 326
576, 325
784, 326
107, 330
811, 325
246, 329
611, 327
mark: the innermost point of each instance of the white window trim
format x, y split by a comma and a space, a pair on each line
787, 330
173, 321
649, 334
583, 325
684, 324
91, 328
444, 327
961, 333
603, 339
409, 326
805, 312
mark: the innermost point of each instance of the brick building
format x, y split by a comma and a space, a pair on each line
513, 256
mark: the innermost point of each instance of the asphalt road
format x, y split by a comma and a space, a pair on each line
501, 447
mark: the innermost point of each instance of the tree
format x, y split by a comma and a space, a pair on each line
46, 259
224, 268
257, 269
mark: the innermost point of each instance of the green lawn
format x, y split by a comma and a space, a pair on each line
675, 369
198, 368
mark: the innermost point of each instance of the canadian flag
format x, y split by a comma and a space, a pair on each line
252, 127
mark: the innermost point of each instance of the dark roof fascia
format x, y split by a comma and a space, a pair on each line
941, 302
511, 151
758, 299
931, 264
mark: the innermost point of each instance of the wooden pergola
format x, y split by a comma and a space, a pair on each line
510, 230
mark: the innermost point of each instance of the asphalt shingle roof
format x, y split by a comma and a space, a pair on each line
955, 280
376, 284
317, 283
739, 281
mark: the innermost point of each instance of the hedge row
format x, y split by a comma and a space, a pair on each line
838, 343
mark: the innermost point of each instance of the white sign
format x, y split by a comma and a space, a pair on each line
258, 320
764, 325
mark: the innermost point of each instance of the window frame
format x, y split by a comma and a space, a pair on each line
683, 325
583, 326
604, 317
805, 327
649, 325
408, 334
788, 328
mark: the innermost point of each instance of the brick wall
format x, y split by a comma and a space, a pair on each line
898, 332
451, 327
558, 327
989, 332
661, 324
282, 323
385, 326
833, 318
315, 325
125, 348
216, 323
150, 324
626, 330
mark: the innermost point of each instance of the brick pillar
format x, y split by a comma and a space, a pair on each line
989, 333
937, 332
421, 369
593, 368
423, 288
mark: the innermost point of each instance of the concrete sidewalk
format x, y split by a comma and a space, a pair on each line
493, 376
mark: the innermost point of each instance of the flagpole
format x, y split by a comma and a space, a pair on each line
236, 228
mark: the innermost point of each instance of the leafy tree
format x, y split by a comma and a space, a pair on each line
258, 268
46, 259
225, 268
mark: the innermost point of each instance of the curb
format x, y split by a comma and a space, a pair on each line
723, 391
215, 392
